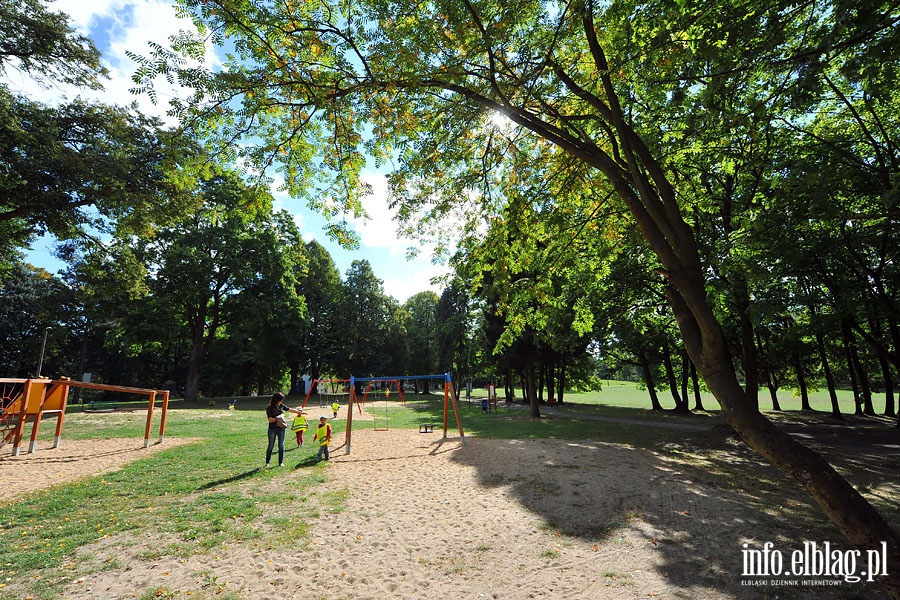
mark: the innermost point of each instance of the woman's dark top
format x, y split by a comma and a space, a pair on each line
274, 412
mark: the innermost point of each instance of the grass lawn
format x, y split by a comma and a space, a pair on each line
626, 394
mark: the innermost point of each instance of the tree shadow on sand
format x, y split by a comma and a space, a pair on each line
694, 502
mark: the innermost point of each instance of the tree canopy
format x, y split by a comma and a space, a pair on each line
42, 43
77, 169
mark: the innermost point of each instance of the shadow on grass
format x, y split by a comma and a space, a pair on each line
306, 462
232, 479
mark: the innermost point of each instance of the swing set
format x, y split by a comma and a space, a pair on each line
328, 391
388, 385
381, 389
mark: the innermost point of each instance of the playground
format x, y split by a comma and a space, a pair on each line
420, 515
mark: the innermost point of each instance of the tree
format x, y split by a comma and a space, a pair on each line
367, 313
42, 44
324, 337
124, 336
225, 264
31, 301
452, 327
584, 83
80, 168
421, 333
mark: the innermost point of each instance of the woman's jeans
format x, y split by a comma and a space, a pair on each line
275, 432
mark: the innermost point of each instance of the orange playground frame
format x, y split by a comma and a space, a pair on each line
47, 397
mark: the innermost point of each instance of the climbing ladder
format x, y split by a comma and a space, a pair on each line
11, 398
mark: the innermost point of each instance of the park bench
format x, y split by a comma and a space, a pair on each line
102, 405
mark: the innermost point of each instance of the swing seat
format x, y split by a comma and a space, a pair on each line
423, 428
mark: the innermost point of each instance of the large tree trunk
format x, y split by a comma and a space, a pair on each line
851, 370
698, 399
561, 381
857, 519
884, 363
195, 367
864, 400
643, 185
551, 382
680, 405
773, 394
524, 385
541, 374
889, 410
751, 366
766, 368
509, 389
652, 201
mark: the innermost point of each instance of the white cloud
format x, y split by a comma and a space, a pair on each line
406, 282
82, 12
150, 21
380, 230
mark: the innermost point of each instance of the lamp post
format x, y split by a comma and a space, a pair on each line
41, 359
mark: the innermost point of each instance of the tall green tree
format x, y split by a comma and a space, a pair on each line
452, 330
223, 265
324, 337
42, 44
77, 168
367, 312
421, 333
124, 336
586, 81
32, 302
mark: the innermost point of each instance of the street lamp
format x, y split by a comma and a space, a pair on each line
41, 359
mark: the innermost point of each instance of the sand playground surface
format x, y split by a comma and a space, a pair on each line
430, 517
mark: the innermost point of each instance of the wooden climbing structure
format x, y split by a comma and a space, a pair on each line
30, 400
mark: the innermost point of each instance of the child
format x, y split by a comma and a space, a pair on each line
323, 434
334, 408
298, 426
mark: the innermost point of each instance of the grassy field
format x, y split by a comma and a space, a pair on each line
628, 395
216, 490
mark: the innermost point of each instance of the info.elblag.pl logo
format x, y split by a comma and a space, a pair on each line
814, 564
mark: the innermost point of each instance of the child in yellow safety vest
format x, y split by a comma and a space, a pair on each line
323, 434
299, 426
334, 408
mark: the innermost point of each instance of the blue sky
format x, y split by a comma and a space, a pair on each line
117, 26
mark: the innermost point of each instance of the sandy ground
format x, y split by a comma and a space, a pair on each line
429, 517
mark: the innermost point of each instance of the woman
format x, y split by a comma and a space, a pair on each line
277, 425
